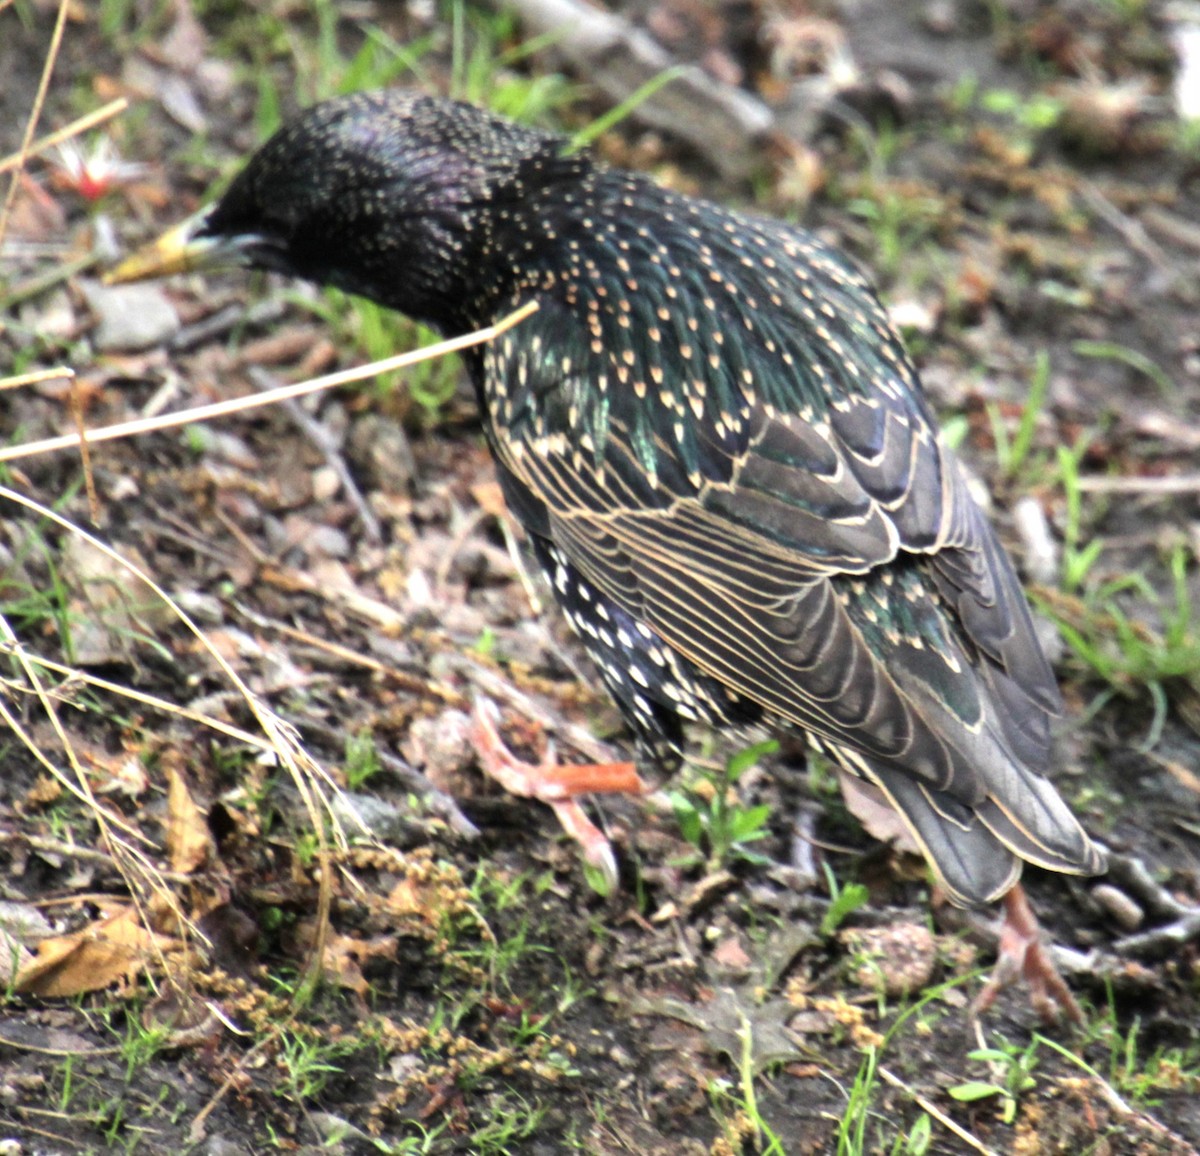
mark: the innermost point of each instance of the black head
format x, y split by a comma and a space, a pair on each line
388, 194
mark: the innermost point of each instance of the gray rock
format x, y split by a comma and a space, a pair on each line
130, 317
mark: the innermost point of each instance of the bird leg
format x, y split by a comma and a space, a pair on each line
1023, 954
557, 786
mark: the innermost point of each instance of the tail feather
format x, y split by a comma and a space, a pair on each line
978, 850
973, 865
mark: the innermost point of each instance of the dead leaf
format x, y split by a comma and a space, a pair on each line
732, 1019
730, 954
881, 820
20, 926
45, 790
111, 950
490, 498
409, 898
122, 774
188, 840
345, 955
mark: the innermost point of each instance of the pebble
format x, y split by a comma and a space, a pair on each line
325, 483
130, 317
360, 813
940, 17
1123, 910
328, 540
1041, 550
220, 1146
200, 607
899, 959
442, 747
380, 448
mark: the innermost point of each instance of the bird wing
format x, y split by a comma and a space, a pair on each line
768, 493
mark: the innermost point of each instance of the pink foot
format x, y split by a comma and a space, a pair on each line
1023, 955
557, 786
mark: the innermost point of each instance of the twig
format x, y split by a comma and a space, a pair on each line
85, 454
437, 800
1129, 228
225, 319
1131, 873
58, 373
927, 1105
419, 685
59, 272
238, 405
320, 437
75, 128
19, 158
1162, 487
67, 850
1177, 231
1161, 941
140, 696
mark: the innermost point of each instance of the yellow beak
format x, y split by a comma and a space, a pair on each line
178, 250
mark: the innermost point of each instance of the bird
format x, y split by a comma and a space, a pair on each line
721, 455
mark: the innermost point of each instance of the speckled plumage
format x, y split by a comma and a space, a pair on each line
719, 448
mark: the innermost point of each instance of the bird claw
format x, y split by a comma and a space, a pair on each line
1023, 955
557, 786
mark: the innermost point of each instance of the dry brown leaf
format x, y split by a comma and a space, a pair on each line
345, 955
45, 790
188, 840
729, 953
490, 498
878, 817
111, 950
410, 898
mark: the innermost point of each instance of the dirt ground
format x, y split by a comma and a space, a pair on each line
1017, 177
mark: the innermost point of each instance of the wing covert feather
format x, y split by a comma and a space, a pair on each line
824, 561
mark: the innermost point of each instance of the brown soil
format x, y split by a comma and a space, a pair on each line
480, 995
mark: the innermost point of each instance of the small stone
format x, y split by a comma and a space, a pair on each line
898, 959
1123, 910
221, 444
130, 317
380, 448
1041, 551
200, 606
368, 814
220, 1146
621, 1057
442, 747
940, 17
731, 957
325, 483
329, 541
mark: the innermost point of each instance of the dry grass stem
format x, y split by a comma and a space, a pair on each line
84, 124
58, 373
39, 100
270, 397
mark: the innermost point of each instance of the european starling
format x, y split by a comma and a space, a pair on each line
719, 450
